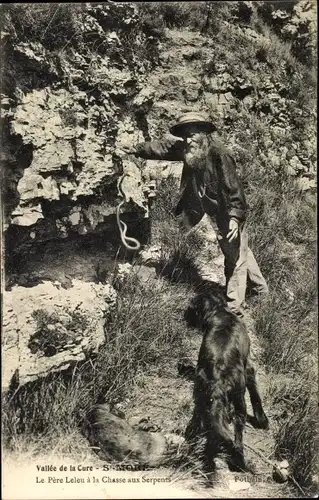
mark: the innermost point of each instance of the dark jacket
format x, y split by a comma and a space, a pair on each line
224, 196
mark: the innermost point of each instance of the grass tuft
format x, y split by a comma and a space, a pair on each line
146, 328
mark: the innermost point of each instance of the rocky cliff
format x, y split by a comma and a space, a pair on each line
81, 82
66, 113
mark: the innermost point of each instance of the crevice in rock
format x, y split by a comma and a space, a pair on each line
64, 173
23, 72
241, 93
74, 148
142, 124
15, 158
56, 208
52, 258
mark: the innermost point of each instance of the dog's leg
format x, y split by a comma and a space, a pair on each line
219, 439
193, 429
210, 452
222, 443
259, 414
240, 420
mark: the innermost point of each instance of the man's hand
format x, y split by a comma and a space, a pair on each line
233, 230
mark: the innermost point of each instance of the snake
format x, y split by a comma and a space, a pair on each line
126, 240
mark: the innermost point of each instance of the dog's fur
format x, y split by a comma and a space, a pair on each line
222, 374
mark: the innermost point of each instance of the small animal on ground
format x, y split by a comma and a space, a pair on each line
223, 372
113, 438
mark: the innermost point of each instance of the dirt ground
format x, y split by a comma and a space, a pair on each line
165, 398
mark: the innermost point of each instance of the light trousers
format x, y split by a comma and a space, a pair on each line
240, 263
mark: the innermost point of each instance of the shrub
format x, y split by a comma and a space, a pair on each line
137, 31
179, 249
45, 23
202, 16
145, 330
286, 325
293, 21
166, 199
52, 336
58, 28
296, 415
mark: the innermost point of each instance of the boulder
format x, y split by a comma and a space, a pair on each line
144, 99
191, 53
33, 56
47, 328
127, 133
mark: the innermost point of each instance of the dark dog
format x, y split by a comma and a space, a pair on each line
223, 372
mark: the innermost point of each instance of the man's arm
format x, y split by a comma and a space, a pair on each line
234, 188
166, 149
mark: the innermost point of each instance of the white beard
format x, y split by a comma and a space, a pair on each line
196, 157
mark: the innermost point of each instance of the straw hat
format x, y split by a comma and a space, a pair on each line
187, 119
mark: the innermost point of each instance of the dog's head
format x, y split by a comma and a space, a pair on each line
202, 305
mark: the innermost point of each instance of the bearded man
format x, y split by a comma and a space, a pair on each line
210, 185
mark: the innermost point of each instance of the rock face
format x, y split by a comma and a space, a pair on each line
73, 174
47, 328
119, 82
64, 127
71, 107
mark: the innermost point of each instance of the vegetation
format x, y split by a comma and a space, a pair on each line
145, 330
281, 221
56, 31
52, 336
178, 249
264, 132
282, 236
282, 230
